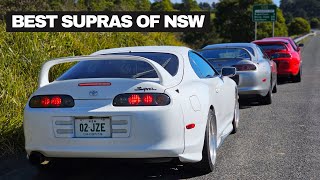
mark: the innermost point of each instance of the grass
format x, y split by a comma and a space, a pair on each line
21, 57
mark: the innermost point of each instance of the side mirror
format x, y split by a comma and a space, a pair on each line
228, 71
301, 45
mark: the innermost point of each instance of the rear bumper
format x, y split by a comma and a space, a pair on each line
287, 67
251, 91
155, 133
253, 83
286, 73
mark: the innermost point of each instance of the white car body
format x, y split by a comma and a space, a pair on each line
135, 131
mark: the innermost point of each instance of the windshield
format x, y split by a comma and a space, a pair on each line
229, 53
272, 47
122, 68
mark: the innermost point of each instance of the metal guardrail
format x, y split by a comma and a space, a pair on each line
301, 38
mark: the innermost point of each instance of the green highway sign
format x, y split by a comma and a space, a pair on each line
264, 13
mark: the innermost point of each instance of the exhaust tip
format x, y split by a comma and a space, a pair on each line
36, 158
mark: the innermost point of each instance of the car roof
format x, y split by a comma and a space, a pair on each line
161, 49
230, 45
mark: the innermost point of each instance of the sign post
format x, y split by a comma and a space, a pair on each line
273, 29
264, 13
255, 30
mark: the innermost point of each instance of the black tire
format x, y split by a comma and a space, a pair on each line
297, 78
266, 100
206, 165
275, 89
235, 121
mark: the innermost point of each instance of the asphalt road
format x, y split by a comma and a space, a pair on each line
279, 141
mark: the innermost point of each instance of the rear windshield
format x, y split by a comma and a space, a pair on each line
273, 46
221, 54
122, 68
249, 49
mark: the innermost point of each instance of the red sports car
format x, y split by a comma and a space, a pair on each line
285, 55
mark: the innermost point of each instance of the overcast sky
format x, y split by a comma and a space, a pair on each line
277, 2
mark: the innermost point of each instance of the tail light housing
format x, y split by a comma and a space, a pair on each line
283, 55
141, 99
51, 101
245, 67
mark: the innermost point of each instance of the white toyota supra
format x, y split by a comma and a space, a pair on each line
152, 102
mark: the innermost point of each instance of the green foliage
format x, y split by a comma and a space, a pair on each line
30, 5
72, 5
99, 5
234, 21
300, 8
21, 56
143, 5
162, 5
299, 26
280, 26
205, 6
197, 40
124, 5
187, 5
315, 23
61, 5
190, 5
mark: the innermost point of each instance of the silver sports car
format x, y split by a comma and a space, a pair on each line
257, 74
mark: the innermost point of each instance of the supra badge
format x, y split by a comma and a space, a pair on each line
93, 93
144, 89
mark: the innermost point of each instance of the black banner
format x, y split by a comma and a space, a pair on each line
67, 21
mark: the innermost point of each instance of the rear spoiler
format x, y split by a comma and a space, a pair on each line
163, 74
273, 42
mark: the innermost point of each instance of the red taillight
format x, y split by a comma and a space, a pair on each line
56, 101
141, 99
51, 101
45, 101
134, 99
245, 67
147, 99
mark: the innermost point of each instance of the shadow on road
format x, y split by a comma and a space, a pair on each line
283, 81
102, 169
248, 103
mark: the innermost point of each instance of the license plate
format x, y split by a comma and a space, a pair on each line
98, 127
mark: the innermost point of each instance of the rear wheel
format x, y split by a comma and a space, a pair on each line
297, 78
209, 152
266, 100
275, 89
235, 122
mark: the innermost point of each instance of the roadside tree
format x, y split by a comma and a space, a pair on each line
299, 26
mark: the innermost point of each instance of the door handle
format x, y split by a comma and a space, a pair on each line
217, 90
